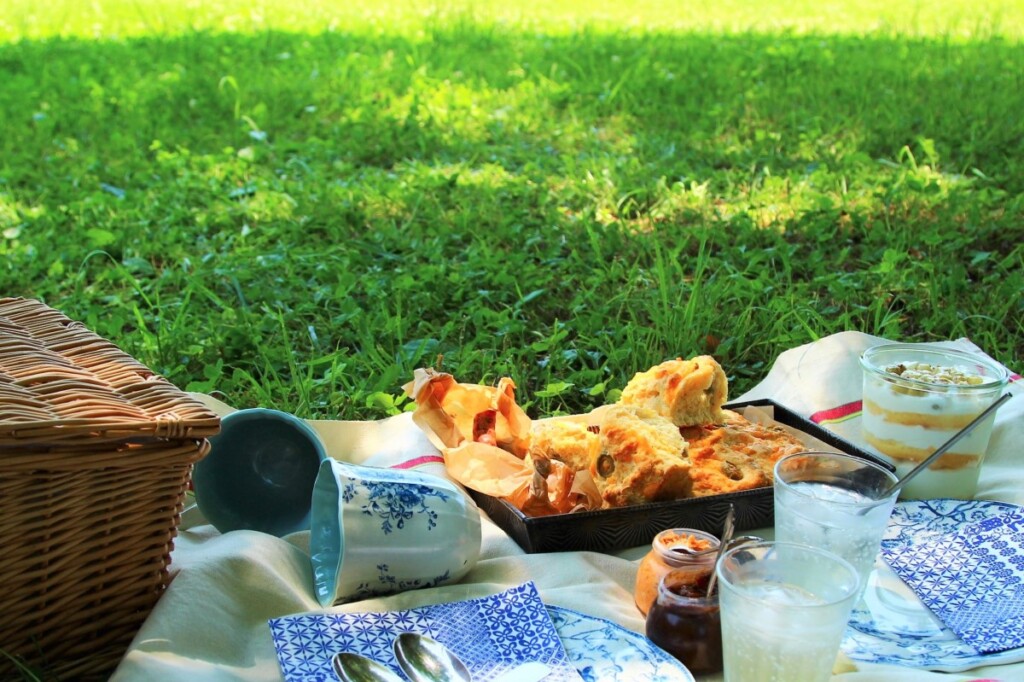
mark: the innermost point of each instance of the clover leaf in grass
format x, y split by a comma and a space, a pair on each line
555, 389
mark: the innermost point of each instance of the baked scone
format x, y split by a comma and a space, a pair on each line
687, 392
642, 458
737, 455
566, 441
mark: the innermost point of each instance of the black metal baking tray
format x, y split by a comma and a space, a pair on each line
607, 530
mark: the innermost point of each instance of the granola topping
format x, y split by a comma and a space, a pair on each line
942, 375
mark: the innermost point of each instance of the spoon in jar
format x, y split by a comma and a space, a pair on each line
728, 527
898, 484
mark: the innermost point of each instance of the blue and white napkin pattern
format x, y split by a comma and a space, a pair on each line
971, 579
490, 634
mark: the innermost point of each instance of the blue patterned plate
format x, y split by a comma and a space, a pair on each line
890, 625
605, 652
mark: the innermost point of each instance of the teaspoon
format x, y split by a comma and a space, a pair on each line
727, 532
351, 667
423, 659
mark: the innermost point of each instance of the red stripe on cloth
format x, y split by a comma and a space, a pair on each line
418, 461
1014, 377
837, 414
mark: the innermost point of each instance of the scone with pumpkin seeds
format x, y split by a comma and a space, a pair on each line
737, 455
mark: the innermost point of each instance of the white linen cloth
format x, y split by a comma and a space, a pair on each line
211, 624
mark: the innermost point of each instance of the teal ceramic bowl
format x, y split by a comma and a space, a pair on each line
259, 473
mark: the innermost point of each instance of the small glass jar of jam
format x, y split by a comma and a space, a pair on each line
682, 549
687, 623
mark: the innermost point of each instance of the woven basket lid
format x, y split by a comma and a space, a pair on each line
63, 385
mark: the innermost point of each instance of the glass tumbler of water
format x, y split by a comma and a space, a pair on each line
831, 501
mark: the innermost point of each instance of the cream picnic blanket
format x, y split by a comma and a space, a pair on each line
211, 624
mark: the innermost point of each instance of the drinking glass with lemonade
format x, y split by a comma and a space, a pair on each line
784, 607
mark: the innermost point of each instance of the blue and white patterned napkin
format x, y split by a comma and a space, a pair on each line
491, 635
972, 579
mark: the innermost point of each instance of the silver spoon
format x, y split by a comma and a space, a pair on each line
727, 531
423, 659
355, 668
897, 485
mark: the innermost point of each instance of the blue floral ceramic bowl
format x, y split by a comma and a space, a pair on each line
379, 531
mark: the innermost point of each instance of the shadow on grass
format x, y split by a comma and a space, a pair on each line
688, 105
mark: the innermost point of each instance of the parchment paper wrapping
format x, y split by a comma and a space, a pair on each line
447, 411
484, 437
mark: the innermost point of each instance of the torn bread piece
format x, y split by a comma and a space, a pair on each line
567, 441
642, 458
687, 392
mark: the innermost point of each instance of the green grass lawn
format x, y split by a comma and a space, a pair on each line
295, 204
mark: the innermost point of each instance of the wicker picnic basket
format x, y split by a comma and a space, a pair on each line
96, 453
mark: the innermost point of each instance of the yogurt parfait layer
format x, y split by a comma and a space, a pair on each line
918, 397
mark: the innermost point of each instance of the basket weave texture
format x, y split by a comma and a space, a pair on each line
96, 454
